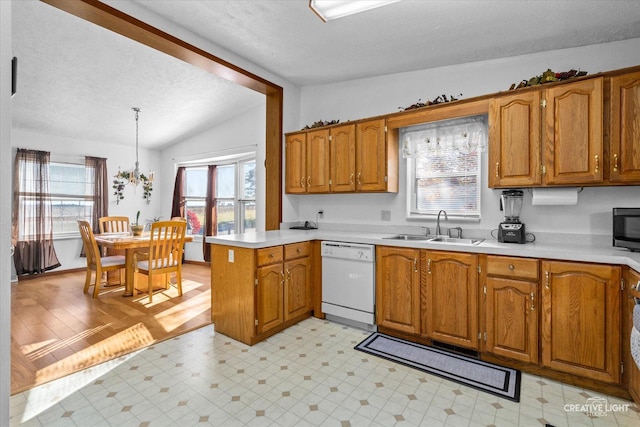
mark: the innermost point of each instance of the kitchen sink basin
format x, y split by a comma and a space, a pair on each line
409, 237
456, 240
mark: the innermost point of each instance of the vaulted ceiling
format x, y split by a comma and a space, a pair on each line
79, 80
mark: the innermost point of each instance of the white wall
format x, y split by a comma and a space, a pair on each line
242, 134
5, 210
118, 156
384, 94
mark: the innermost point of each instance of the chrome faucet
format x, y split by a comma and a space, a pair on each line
438, 221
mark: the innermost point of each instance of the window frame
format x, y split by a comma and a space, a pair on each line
87, 198
411, 190
239, 200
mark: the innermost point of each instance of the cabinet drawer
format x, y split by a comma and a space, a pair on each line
522, 268
297, 250
271, 255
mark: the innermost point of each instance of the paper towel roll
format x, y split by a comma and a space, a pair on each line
555, 196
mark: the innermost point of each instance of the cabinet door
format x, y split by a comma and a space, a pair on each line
573, 137
624, 131
514, 140
269, 297
343, 158
398, 289
451, 298
297, 287
581, 319
371, 159
295, 158
511, 319
318, 161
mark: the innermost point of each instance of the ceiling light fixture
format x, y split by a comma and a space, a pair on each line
334, 9
134, 177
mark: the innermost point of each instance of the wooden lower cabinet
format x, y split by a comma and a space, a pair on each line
398, 289
297, 289
581, 319
632, 281
511, 307
269, 301
450, 298
258, 292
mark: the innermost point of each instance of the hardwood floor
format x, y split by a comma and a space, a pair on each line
56, 329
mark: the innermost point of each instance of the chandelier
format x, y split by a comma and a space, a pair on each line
134, 177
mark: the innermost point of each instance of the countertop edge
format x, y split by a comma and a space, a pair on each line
581, 253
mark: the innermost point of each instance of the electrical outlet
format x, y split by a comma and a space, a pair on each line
385, 215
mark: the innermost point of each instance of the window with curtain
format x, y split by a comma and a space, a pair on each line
444, 166
32, 222
234, 197
195, 197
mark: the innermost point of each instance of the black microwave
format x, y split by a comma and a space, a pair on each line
626, 228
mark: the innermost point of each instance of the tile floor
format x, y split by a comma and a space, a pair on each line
308, 375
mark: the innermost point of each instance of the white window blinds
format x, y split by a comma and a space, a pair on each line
443, 166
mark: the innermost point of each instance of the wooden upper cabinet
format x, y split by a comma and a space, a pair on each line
371, 158
515, 140
624, 128
573, 133
317, 159
343, 158
295, 161
357, 157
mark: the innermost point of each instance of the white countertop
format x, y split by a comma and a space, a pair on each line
597, 253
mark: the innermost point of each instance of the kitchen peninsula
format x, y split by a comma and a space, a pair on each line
264, 282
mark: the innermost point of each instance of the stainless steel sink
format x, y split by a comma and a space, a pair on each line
456, 240
408, 237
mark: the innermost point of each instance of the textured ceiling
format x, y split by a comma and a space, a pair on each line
78, 80
287, 38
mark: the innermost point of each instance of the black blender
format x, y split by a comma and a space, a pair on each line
511, 230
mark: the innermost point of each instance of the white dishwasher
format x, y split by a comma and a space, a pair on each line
348, 283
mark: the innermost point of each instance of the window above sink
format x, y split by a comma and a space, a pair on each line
444, 166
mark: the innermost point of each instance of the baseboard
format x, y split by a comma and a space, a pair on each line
83, 269
201, 263
51, 273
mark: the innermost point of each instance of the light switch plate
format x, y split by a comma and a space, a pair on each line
231, 255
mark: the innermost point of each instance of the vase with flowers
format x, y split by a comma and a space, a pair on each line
137, 228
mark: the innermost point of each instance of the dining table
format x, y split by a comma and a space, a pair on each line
130, 244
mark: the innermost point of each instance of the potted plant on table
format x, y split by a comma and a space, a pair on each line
136, 228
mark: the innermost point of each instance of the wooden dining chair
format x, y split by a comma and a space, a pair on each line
164, 256
114, 224
95, 262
